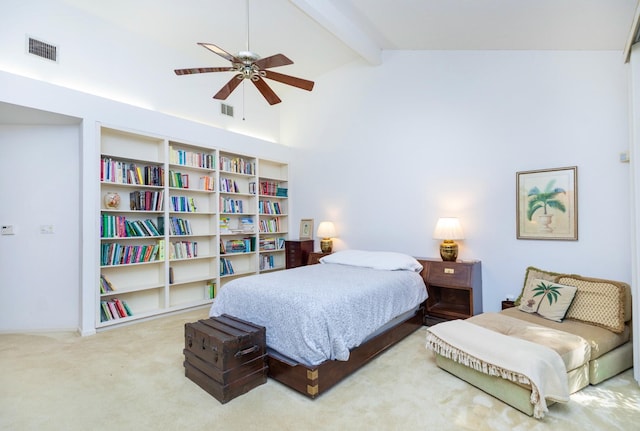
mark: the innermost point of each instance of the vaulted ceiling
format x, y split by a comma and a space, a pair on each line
319, 35
127, 50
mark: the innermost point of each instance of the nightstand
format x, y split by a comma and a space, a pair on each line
315, 257
507, 304
455, 290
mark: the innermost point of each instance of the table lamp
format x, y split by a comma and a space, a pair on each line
447, 229
326, 231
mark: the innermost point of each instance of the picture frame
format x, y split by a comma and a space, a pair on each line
547, 204
306, 228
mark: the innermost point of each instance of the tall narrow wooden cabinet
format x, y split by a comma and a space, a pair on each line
298, 252
178, 220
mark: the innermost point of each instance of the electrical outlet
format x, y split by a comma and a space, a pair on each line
7, 230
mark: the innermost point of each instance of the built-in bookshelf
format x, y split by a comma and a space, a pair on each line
237, 220
179, 220
273, 208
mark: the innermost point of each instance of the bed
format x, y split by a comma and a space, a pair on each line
541, 351
327, 320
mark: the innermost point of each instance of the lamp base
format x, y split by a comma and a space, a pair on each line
449, 250
326, 245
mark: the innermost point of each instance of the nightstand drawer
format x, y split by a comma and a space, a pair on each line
450, 274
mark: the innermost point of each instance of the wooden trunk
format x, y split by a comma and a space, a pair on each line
225, 356
225, 342
225, 393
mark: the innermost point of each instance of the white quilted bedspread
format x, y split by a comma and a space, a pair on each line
319, 312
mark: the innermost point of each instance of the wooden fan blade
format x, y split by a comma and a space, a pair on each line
228, 88
266, 91
272, 61
193, 70
221, 52
290, 80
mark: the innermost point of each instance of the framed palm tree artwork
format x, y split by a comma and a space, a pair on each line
547, 204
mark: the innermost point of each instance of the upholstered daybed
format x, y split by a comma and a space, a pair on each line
562, 325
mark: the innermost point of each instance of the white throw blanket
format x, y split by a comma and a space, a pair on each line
511, 358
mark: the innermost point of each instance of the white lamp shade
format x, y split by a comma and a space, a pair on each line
448, 228
326, 229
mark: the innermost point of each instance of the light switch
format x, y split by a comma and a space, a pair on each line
7, 230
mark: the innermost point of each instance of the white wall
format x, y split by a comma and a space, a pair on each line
383, 155
635, 190
384, 151
39, 185
92, 53
81, 280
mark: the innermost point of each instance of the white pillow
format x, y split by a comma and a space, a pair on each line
386, 260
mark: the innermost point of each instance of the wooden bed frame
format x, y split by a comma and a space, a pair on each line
313, 381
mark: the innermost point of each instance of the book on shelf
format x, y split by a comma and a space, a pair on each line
191, 158
236, 246
207, 183
120, 227
238, 165
270, 225
247, 224
268, 207
124, 172
160, 255
120, 254
146, 200
121, 311
211, 289
225, 225
228, 185
272, 188
267, 262
114, 309
230, 205
178, 180
183, 250
105, 313
183, 204
105, 284
180, 226
267, 244
226, 267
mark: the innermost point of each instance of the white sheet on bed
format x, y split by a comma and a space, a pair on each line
319, 312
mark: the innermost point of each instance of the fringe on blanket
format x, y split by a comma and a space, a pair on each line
448, 351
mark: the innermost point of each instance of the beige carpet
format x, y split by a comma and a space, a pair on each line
132, 378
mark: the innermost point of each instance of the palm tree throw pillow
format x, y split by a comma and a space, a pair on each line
548, 299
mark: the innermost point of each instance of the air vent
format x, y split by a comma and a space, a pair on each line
226, 109
42, 49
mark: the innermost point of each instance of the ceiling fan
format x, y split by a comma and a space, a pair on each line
249, 65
